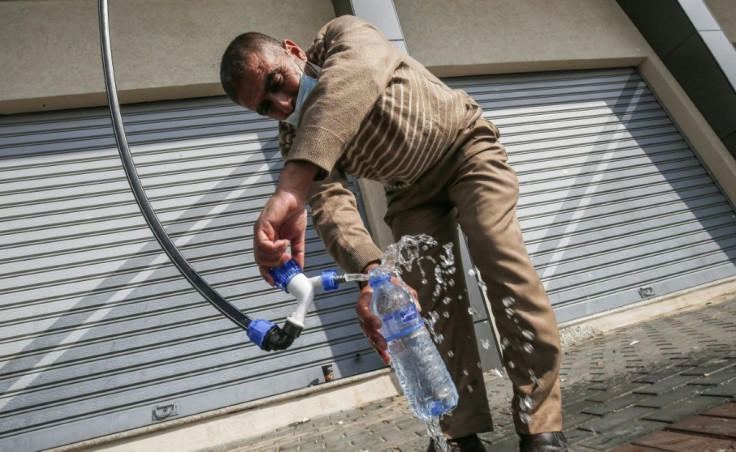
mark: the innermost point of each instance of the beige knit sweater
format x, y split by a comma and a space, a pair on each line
374, 113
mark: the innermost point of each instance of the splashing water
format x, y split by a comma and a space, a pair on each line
526, 403
433, 429
527, 334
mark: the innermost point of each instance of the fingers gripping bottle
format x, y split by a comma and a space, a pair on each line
427, 385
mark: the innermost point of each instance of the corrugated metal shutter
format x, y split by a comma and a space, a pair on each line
98, 330
99, 333
614, 205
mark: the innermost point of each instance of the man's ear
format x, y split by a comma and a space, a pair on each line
293, 49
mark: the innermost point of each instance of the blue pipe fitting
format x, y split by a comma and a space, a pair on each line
258, 330
284, 274
329, 280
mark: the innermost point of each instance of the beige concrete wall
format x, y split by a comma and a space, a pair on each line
500, 36
725, 13
162, 49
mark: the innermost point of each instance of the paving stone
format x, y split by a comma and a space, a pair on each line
724, 428
614, 392
682, 409
666, 440
708, 368
668, 398
634, 448
727, 410
614, 405
611, 421
658, 375
623, 433
716, 378
666, 385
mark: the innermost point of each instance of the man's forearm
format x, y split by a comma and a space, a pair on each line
296, 178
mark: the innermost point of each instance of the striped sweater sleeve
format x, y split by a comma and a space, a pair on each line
339, 225
358, 62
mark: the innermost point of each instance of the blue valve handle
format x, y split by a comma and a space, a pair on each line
283, 275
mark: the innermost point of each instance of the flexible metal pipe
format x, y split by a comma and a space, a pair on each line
210, 294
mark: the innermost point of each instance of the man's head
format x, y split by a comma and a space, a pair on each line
262, 74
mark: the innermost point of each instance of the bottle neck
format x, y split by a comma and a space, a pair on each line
379, 279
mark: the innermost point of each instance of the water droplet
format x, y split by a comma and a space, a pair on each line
451, 283
525, 418
446, 315
508, 301
471, 272
440, 338
526, 403
511, 364
497, 373
472, 311
504, 344
470, 388
527, 334
446, 300
465, 372
485, 343
451, 354
509, 312
479, 365
529, 348
424, 281
434, 316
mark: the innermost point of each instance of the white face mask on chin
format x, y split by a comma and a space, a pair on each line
306, 84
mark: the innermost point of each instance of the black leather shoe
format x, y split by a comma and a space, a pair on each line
544, 442
470, 443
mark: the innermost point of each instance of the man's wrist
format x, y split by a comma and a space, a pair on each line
370, 266
296, 177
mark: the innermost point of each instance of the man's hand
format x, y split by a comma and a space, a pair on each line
283, 221
369, 323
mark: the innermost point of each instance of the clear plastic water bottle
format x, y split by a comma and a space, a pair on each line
427, 385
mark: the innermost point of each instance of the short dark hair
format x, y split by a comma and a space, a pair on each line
237, 56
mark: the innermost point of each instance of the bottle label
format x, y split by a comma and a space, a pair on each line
401, 322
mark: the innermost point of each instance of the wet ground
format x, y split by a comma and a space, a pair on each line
662, 384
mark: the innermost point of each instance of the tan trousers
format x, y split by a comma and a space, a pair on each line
473, 186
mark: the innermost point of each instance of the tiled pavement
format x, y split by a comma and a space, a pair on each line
617, 388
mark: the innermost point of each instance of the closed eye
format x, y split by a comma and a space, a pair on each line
274, 80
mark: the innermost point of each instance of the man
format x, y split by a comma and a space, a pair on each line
354, 104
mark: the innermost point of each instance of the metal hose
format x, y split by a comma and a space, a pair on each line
210, 294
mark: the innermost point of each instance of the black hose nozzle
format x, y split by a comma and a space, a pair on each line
269, 336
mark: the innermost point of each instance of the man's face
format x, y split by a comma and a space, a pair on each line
271, 82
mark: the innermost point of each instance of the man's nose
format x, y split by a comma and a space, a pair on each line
282, 101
